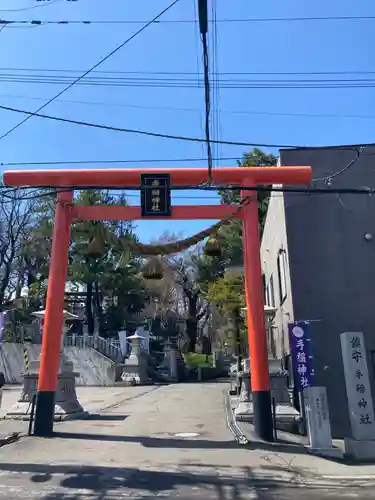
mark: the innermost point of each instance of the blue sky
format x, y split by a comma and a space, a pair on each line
314, 46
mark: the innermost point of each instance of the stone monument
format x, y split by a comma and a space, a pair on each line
134, 370
67, 405
318, 422
361, 444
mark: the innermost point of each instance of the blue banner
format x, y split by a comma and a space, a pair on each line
301, 353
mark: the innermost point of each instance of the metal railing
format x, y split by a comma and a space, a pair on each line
100, 344
111, 348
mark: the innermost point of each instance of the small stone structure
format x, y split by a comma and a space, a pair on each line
285, 412
318, 423
170, 361
360, 445
278, 382
67, 405
134, 370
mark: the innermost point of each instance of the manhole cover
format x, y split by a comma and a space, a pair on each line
187, 434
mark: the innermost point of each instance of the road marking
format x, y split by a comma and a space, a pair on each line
187, 434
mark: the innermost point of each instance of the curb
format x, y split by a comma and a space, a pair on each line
240, 437
234, 428
349, 478
12, 438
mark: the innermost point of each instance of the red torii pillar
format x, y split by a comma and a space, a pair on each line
66, 212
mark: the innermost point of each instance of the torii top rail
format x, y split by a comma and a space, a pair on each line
179, 176
116, 178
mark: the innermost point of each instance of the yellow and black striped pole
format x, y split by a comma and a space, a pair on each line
26, 358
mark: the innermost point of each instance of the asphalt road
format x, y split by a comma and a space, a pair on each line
136, 450
112, 484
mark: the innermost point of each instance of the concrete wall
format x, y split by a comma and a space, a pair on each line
275, 240
94, 368
12, 362
331, 264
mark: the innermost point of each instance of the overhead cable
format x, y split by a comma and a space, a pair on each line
328, 178
191, 110
177, 137
46, 4
203, 28
114, 51
297, 190
107, 162
182, 82
190, 21
190, 73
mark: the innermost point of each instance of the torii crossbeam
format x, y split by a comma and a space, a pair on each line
67, 212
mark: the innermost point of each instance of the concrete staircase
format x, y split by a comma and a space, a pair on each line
107, 347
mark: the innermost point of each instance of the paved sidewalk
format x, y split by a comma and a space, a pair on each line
93, 399
172, 442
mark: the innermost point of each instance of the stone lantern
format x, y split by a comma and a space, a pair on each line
67, 405
134, 370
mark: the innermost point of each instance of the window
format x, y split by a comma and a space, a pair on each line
272, 292
264, 288
281, 271
268, 295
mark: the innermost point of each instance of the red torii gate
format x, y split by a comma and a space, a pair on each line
67, 212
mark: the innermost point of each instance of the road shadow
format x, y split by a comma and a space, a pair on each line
183, 481
185, 443
151, 442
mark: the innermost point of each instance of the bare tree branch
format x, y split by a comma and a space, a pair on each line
16, 218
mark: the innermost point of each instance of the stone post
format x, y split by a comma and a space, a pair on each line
173, 364
361, 443
318, 422
245, 396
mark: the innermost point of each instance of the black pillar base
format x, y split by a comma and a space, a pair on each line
263, 422
44, 414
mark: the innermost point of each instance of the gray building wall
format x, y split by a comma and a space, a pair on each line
332, 266
274, 241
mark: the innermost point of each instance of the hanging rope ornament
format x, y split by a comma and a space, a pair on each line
95, 248
129, 245
212, 248
153, 269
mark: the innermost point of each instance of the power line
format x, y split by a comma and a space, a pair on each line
295, 190
213, 44
328, 178
179, 137
30, 8
203, 28
92, 68
189, 83
98, 162
190, 73
190, 21
192, 110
